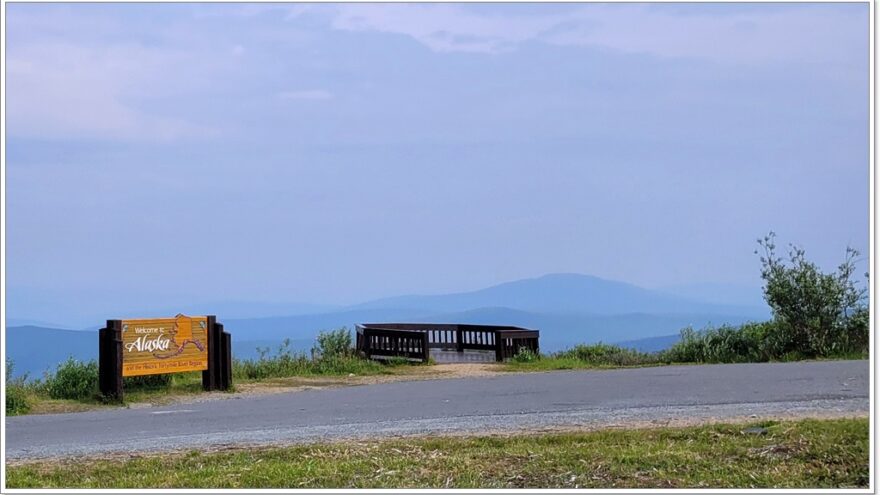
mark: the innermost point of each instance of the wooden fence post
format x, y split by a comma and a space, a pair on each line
225, 361
459, 344
110, 360
368, 344
209, 376
426, 353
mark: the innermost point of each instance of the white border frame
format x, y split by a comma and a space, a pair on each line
872, 304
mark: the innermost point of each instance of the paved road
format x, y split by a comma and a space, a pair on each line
498, 403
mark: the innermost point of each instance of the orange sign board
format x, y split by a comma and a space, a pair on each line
164, 345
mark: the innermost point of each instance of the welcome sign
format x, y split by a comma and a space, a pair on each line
164, 345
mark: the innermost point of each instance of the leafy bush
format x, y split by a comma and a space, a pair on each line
857, 332
815, 314
525, 355
330, 357
17, 393
820, 314
725, 344
284, 363
73, 380
607, 354
333, 343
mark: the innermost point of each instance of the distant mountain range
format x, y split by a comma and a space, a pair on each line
567, 308
561, 292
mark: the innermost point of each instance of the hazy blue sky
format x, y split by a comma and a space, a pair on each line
336, 153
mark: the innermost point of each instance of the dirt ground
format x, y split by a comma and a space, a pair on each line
299, 383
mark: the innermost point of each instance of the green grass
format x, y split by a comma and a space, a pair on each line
553, 363
792, 454
332, 356
42, 396
300, 365
583, 356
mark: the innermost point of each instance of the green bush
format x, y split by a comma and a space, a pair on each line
857, 333
820, 314
17, 393
725, 344
525, 355
688, 349
332, 355
764, 341
607, 354
284, 363
73, 380
333, 343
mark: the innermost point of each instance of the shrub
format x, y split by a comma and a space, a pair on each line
525, 355
329, 358
284, 363
73, 380
17, 393
606, 354
17, 400
688, 349
725, 344
857, 332
821, 313
729, 344
333, 343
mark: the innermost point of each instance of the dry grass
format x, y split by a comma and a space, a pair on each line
806, 453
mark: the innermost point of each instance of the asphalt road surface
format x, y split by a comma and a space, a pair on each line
504, 403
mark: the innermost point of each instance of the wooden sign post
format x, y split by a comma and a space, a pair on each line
140, 347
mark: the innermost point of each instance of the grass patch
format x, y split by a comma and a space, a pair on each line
761, 342
583, 357
52, 394
555, 363
19, 398
286, 363
333, 354
791, 454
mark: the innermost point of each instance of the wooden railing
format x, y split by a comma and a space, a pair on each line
383, 340
511, 341
379, 343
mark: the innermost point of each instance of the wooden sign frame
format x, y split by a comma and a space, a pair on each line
218, 375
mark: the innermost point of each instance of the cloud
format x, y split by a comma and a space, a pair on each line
795, 34
308, 94
441, 27
719, 32
106, 73
82, 88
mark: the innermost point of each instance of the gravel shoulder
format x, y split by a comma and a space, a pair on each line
292, 384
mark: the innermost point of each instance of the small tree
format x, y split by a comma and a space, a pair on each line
821, 313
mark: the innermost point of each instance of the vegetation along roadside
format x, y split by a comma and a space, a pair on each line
769, 454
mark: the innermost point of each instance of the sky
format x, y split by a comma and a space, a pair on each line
336, 153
